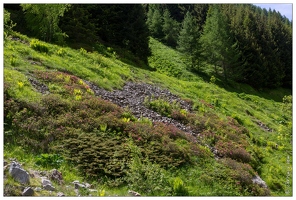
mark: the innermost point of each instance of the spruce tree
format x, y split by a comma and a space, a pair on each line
78, 24
219, 46
156, 24
123, 25
188, 40
170, 29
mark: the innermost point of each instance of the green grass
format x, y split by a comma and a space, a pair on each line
19, 86
169, 62
214, 105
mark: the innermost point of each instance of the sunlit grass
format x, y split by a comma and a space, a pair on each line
237, 101
19, 86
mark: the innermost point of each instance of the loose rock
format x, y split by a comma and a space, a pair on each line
38, 189
60, 194
133, 95
56, 176
45, 181
133, 193
259, 181
28, 191
49, 187
18, 173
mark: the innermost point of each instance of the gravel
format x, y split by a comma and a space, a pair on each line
132, 96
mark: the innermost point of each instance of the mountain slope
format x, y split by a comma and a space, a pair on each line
57, 102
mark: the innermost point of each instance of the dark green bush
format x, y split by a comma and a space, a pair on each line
145, 177
97, 156
240, 171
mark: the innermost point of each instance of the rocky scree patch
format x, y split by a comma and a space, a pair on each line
133, 95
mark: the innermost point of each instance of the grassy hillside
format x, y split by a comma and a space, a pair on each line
53, 119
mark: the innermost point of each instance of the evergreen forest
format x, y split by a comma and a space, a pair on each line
147, 99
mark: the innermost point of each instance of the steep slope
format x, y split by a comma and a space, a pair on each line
128, 126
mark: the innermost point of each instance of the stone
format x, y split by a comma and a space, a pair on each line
60, 194
5, 167
46, 184
133, 95
259, 181
38, 189
76, 192
18, 173
45, 181
49, 187
87, 185
28, 191
78, 185
56, 176
133, 193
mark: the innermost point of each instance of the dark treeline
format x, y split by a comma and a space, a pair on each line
251, 45
246, 43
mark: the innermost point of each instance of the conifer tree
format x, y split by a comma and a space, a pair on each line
220, 48
78, 24
123, 25
188, 40
170, 29
155, 21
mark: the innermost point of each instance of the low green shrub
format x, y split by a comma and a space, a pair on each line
179, 187
61, 52
213, 79
233, 150
145, 177
39, 46
287, 99
275, 184
161, 105
49, 160
13, 61
83, 51
241, 171
97, 156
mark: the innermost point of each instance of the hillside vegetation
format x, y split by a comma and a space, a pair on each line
53, 118
163, 100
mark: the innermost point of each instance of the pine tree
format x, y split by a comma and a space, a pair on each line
170, 29
136, 33
188, 40
155, 26
78, 24
220, 48
123, 25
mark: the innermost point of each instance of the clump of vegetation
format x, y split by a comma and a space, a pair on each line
146, 177
70, 126
161, 105
179, 188
233, 150
49, 160
39, 46
61, 52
